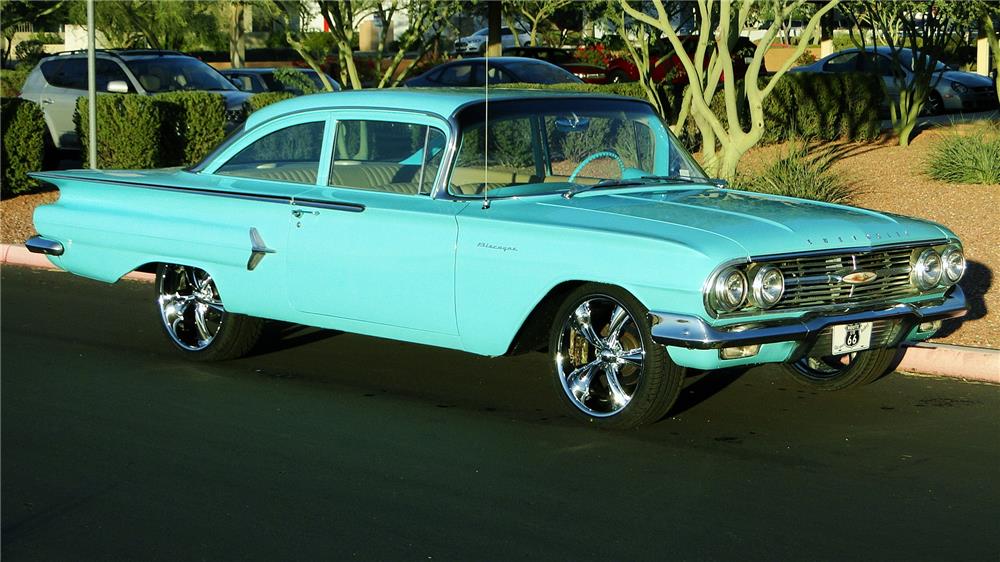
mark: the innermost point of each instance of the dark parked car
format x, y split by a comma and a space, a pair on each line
622, 69
57, 81
565, 59
503, 70
257, 80
952, 90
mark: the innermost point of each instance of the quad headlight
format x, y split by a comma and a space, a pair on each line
953, 261
729, 290
927, 270
768, 286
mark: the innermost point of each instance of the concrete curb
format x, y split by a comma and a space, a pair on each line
967, 363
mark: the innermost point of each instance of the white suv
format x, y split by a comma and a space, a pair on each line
57, 81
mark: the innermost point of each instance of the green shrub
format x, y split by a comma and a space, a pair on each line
194, 123
799, 174
265, 99
824, 107
11, 80
23, 134
128, 131
967, 158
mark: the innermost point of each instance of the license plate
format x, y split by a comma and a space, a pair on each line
848, 338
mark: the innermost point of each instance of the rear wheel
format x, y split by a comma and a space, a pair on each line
607, 368
934, 104
194, 319
838, 372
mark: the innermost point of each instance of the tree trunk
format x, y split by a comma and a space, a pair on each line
237, 37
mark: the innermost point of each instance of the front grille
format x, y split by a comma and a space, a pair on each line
817, 281
884, 334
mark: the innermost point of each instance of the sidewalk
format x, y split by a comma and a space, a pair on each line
953, 361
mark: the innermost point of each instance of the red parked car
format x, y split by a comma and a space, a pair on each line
623, 70
564, 58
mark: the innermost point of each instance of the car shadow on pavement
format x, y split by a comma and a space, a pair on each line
279, 336
702, 385
976, 283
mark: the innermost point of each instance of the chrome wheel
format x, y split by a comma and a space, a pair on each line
600, 356
190, 306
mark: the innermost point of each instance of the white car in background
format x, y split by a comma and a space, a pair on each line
476, 43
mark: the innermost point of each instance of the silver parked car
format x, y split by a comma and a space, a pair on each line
57, 81
953, 90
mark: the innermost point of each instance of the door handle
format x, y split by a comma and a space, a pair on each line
297, 213
46, 101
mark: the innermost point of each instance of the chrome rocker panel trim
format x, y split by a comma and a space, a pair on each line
39, 245
691, 332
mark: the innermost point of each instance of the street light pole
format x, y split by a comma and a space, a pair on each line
91, 89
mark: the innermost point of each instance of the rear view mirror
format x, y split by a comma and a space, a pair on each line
118, 87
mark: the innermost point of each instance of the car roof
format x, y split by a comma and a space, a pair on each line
442, 102
263, 70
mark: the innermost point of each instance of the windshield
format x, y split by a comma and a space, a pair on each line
547, 146
169, 74
906, 59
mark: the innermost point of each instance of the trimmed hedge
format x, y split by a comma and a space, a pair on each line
194, 123
23, 134
802, 106
128, 133
265, 99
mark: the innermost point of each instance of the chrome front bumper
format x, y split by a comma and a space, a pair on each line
694, 333
39, 245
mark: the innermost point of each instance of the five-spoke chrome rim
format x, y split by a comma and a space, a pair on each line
600, 356
190, 306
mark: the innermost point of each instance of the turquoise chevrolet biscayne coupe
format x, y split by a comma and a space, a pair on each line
573, 224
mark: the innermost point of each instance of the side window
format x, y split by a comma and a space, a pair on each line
386, 156
843, 63
108, 71
68, 73
290, 155
456, 75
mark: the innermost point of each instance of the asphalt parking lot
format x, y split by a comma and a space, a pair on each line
334, 446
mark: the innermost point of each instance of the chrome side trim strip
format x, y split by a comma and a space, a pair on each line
39, 245
692, 332
333, 205
195, 190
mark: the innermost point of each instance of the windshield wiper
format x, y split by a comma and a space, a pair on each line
642, 180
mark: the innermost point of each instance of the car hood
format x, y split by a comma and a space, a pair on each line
967, 78
758, 224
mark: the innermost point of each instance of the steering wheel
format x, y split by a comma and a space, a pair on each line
602, 154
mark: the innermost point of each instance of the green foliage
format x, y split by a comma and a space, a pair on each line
265, 99
973, 157
128, 131
29, 52
193, 124
11, 80
811, 107
292, 79
23, 134
799, 174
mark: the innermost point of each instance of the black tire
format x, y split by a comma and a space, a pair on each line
843, 371
625, 367
194, 320
934, 104
618, 76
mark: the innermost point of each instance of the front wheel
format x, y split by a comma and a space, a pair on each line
839, 372
194, 319
608, 370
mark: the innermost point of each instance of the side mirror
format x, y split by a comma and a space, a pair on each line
237, 82
118, 87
